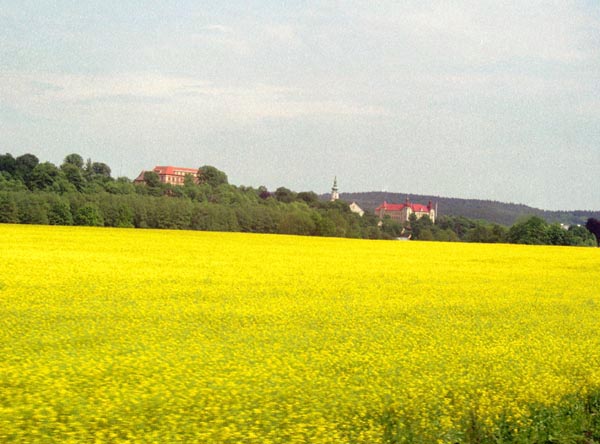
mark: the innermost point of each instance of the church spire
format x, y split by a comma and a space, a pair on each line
334, 190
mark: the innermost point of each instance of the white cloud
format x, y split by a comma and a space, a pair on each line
174, 97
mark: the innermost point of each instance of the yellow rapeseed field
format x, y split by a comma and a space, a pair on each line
116, 335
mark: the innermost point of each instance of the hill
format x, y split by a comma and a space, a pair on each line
492, 211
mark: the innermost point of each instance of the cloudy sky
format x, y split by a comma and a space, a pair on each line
477, 99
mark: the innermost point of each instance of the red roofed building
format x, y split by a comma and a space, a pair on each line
401, 212
170, 174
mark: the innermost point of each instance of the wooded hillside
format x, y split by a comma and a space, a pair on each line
491, 211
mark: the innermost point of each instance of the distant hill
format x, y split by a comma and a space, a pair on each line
492, 211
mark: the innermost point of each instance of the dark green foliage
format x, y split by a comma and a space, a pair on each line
535, 231
32, 208
485, 233
120, 186
578, 235
263, 192
96, 174
73, 175
213, 218
312, 199
171, 213
89, 215
9, 213
74, 159
284, 195
101, 169
297, 222
24, 165
324, 226
10, 183
391, 228
152, 179
421, 229
593, 225
531, 231
116, 210
8, 164
43, 177
59, 212
211, 176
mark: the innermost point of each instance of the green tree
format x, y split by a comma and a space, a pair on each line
426, 234
74, 175
532, 231
324, 226
213, 217
33, 209
391, 228
122, 185
75, 160
43, 176
152, 179
172, 213
580, 236
101, 169
309, 197
263, 192
297, 222
421, 228
24, 165
9, 213
284, 195
89, 215
593, 226
212, 176
117, 210
8, 164
10, 183
192, 190
556, 234
446, 235
59, 212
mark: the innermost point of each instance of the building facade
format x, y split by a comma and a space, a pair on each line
402, 212
356, 209
170, 174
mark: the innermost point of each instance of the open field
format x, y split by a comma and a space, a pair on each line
116, 335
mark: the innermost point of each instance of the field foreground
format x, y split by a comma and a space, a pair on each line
112, 335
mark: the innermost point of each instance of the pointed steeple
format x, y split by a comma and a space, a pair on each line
334, 190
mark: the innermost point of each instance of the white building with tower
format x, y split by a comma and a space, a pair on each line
334, 190
335, 195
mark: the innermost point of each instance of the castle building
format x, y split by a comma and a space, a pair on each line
170, 174
401, 212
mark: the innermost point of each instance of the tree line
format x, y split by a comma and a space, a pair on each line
531, 230
82, 192
79, 192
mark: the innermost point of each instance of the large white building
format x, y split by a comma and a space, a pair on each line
170, 174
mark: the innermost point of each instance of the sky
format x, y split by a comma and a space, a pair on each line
483, 99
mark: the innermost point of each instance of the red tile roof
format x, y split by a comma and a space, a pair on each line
399, 207
170, 170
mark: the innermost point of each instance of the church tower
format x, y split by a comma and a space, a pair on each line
334, 191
